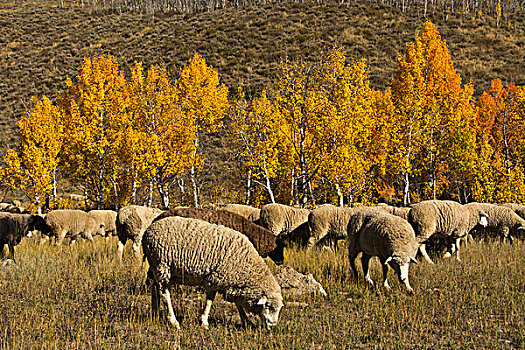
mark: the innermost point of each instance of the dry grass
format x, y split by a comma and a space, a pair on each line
80, 297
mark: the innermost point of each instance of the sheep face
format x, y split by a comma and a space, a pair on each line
400, 266
483, 219
277, 255
268, 310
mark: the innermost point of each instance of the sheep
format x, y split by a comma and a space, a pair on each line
246, 211
446, 219
13, 227
196, 253
72, 223
131, 223
265, 242
282, 219
328, 223
501, 219
402, 212
391, 238
109, 218
518, 208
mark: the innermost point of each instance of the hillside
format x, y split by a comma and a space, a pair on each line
43, 44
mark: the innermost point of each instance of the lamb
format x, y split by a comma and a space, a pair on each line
72, 223
13, 227
445, 219
131, 223
389, 237
501, 219
402, 212
196, 253
265, 242
108, 218
246, 211
282, 219
328, 224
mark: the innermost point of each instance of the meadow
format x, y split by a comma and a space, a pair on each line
81, 297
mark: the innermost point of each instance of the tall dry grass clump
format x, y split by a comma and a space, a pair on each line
80, 297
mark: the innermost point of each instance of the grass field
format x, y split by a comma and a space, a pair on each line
80, 297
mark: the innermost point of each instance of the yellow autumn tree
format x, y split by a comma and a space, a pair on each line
344, 126
500, 126
161, 143
205, 100
97, 111
256, 132
435, 114
31, 168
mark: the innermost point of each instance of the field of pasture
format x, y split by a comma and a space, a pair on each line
81, 297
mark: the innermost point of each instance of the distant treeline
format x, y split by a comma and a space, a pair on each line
498, 8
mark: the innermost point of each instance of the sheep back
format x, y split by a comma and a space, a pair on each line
72, 223
279, 218
440, 218
246, 211
108, 218
264, 241
328, 222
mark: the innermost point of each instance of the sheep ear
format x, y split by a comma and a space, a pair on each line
388, 260
262, 301
413, 260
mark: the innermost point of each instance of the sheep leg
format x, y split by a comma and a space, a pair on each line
166, 298
365, 262
136, 249
12, 251
245, 321
2, 245
155, 300
424, 253
352, 258
210, 296
385, 275
120, 250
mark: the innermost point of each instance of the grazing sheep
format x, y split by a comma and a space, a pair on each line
131, 222
282, 219
389, 237
72, 223
447, 219
299, 236
298, 284
328, 224
196, 253
13, 227
518, 208
246, 211
108, 218
266, 243
402, 212
501, 220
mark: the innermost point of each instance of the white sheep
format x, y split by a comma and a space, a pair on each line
328, 223
282, 219
73, 223
391, 238
501, 219
196, 253
108, 218
444, 219
131, 223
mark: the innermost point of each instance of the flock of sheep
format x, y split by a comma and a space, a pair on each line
222, 251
